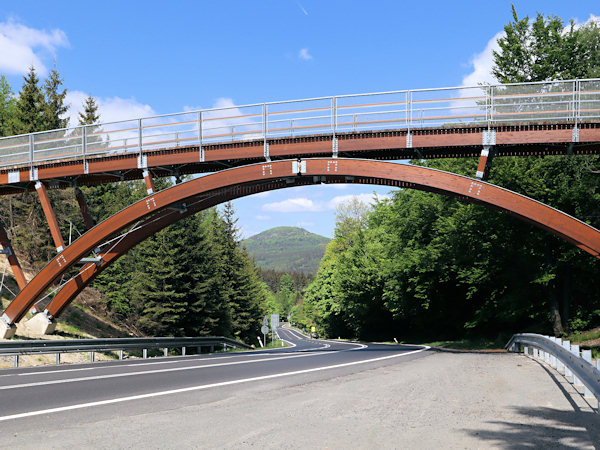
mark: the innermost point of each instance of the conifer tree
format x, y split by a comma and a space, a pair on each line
90, 114
7, 107
29, 114
55, 108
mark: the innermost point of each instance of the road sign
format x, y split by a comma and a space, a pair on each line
264, 329
274, 321
265, 321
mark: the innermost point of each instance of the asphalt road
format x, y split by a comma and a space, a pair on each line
29, 396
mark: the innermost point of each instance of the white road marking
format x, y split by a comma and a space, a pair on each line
180, 359
198, 388
149, 372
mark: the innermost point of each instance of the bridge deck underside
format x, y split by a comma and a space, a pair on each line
456, 142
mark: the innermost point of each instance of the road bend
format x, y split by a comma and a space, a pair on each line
80, 392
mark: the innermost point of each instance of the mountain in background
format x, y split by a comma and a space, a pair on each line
287, 249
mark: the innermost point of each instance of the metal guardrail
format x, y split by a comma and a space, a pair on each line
563, 356
17, 348
571, 101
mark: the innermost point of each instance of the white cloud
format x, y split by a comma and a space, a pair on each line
303, 54
337, 186
368, 199
22, 47
263, 217
303, 9
482, 64
111, 109
301, 204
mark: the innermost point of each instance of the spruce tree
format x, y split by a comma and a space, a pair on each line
90, 113
54, 108
29, 114
7, 107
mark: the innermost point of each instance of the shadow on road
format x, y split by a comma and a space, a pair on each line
547, 427
550, 428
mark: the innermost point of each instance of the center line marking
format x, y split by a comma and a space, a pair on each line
198, 388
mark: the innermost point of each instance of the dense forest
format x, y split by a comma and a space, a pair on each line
417, 265
426, 266
193, 278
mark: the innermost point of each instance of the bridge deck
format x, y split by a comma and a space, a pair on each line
425, 143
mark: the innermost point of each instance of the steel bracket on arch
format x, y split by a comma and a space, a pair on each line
33, 174
298, 167
488, 138
96, 260
334, 147
142, 162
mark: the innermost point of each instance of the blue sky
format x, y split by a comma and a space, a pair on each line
145, 58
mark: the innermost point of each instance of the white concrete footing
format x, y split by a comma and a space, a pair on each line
7, 331
39, 325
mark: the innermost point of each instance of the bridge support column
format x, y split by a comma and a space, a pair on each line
485, 162
50, 216
7, 249
149, 181
85, 212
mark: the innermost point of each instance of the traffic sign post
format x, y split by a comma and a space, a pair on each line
265, 330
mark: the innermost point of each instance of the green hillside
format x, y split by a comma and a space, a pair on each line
287, 249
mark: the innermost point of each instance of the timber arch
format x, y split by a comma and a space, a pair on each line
172, 204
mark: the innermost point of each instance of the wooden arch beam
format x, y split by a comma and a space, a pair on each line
372, 172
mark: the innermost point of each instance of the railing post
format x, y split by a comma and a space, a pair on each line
145, 353
83, 140
165, 351
182, 351
31, 151
265, 125
92, 356
140, 136
57, 358
16, 361
120, 354
201, 149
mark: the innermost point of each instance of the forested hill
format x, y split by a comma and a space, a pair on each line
287, 249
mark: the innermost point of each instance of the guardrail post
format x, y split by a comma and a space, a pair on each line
567, 345
587, 356
182, 351
120, 354
575, 350
16, 361
92, 356
212, 349
58, 358
166, 351
145, 353
199, 350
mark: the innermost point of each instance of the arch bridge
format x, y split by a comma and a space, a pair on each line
248, 148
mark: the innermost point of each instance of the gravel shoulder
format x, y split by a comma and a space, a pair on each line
443, 400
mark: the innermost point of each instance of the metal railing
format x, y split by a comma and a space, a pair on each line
568, 359
570, 101
18, 348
